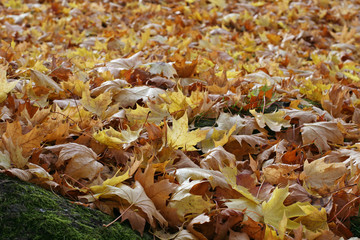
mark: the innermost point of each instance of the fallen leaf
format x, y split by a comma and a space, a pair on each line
5, 161
96, 105
319, 174
320, 134
21, 145
274, 211
114, 181
165, 69
159, 192
44, 80
230, 175
135, 196
214, 177
179, 137
127, 97
82, 161
5, 86
275, 121
249, 208
116, 139
187, 203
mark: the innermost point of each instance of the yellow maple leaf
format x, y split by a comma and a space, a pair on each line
96, 105
114, 181
314, 91
274, 120
179, 137
115, 139
187, 203
5, 86
154, 113
176, 102
274, 211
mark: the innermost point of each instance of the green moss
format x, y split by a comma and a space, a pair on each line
30, 212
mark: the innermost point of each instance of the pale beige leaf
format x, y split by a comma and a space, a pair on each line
127, 97
5, 161
38, 171
215, 178
117, 65
252, 140
303, 116
218, 158
238, 235
249, 208
320, 133
162, 68
226, 121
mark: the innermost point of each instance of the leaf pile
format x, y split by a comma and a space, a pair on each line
213, 119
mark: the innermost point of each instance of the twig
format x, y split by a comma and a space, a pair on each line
357, 198
107, 225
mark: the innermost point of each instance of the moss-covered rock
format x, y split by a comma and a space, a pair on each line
31, 212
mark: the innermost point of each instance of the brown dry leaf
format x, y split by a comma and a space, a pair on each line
320, 134
280, 173
183, 69
80, 161
199, 220
159, 192
252, 140
303, 116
